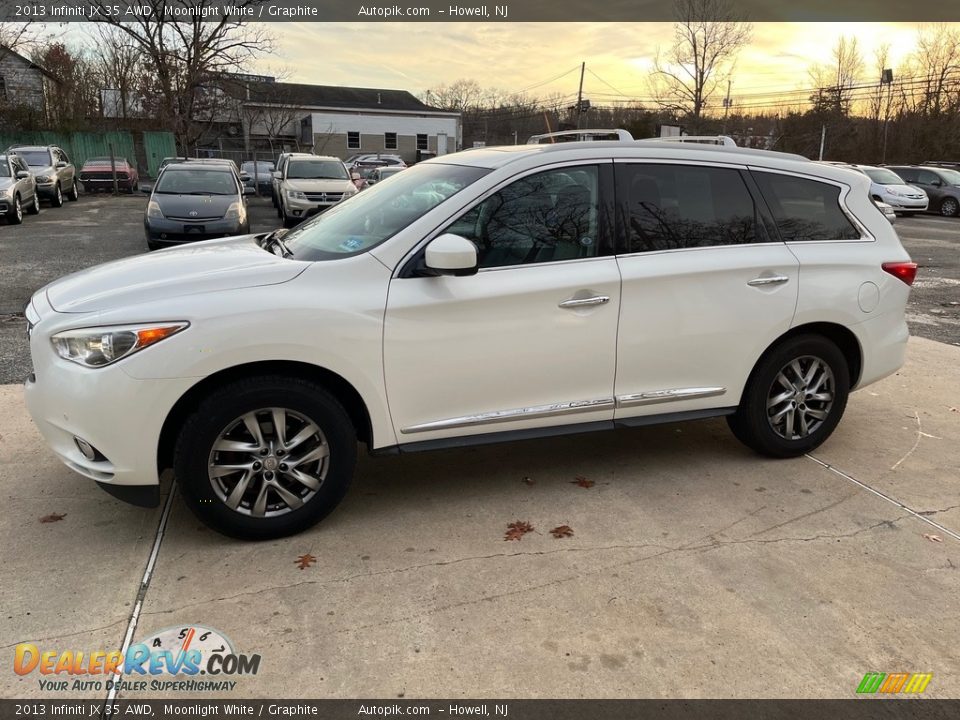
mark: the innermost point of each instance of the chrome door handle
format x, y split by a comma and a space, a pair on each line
775, 280
584, 302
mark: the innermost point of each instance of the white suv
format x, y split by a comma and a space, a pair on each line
311, 184
490, 295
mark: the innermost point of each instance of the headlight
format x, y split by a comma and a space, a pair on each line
44, 179
153, 209
296, 195
352, 190
236, 211
895, 193
96, 347
5, 191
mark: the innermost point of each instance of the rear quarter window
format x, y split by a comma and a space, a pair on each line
804, 209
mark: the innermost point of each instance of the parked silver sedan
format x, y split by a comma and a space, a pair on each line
18, 189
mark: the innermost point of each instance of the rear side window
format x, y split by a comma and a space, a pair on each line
805, 210
907, 174
670, 207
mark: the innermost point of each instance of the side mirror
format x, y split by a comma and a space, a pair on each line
450, 254
936, 183
245, 177
276, 174
146, 189
61, 165
22, 174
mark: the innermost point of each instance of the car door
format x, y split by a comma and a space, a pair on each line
527, 342
27, 185
707, 285
926, 180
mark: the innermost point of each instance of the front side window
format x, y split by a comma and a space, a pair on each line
390, 140
674, 207
546, 217
353, 140
805, 210
378, 213
307, 169
926, 177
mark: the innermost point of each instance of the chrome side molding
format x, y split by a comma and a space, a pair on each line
662, 396
500, 416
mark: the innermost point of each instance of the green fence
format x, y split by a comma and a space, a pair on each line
145, 151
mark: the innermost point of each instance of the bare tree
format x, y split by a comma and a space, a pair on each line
835, 83
119, 66
14, 36
190, 57
708, 34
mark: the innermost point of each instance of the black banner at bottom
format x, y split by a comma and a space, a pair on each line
874, 708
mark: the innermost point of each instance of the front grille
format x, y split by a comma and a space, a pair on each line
327, 197
194, 219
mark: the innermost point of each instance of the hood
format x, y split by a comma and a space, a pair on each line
343, 185
37, 171
196, 268
202, 206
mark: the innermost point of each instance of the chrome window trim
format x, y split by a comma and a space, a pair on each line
512, 415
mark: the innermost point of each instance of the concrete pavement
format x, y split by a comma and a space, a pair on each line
696, 569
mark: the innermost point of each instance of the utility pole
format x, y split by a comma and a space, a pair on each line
726, 107
886, 78
583, 67
823, 137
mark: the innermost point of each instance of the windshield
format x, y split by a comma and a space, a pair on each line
883, 177
367, 219
316, 170
195, 182
36, 158
951, 176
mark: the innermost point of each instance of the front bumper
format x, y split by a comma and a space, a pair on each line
119, 416
47, 190
177, 232
908, 204
307, 208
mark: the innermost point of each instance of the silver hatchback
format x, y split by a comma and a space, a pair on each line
18, 189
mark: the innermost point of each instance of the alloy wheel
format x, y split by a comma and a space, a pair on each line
801, 397
268, 462
949, 207
17, 209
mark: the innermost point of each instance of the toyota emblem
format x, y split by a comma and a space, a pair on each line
193, 213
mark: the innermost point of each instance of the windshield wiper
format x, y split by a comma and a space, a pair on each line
275, 238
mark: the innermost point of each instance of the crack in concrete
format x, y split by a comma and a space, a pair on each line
804, 515
666, 550
58, 637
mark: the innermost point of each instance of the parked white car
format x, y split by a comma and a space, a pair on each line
490, 295
888, 187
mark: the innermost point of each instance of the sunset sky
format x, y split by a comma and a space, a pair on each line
515, 56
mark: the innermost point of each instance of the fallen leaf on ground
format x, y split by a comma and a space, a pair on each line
932, 538
305, 561
53, 517
582, 482
517, 530
562, 531
529, 481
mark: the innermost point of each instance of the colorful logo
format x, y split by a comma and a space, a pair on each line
189, 651
891, 683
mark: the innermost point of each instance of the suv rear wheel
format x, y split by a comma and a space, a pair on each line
794, 398
265, 457
34, 208
74, 193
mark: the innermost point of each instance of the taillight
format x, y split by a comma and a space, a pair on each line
906, 271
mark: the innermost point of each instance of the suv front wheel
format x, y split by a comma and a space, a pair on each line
265, 457
949, 207
794, 398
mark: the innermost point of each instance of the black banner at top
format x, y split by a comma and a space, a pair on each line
465, 10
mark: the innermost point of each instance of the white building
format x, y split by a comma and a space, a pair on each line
343, 121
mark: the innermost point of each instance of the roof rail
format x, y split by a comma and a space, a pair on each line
576, 135
701, 139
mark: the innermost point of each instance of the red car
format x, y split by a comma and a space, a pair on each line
97, 175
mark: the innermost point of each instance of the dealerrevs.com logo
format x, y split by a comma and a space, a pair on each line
893, 683
173, 659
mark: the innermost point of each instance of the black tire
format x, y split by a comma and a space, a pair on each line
221, 410
57, 199
15, 214
949, 207
74, 193
751, 423
153, 245
34, 208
